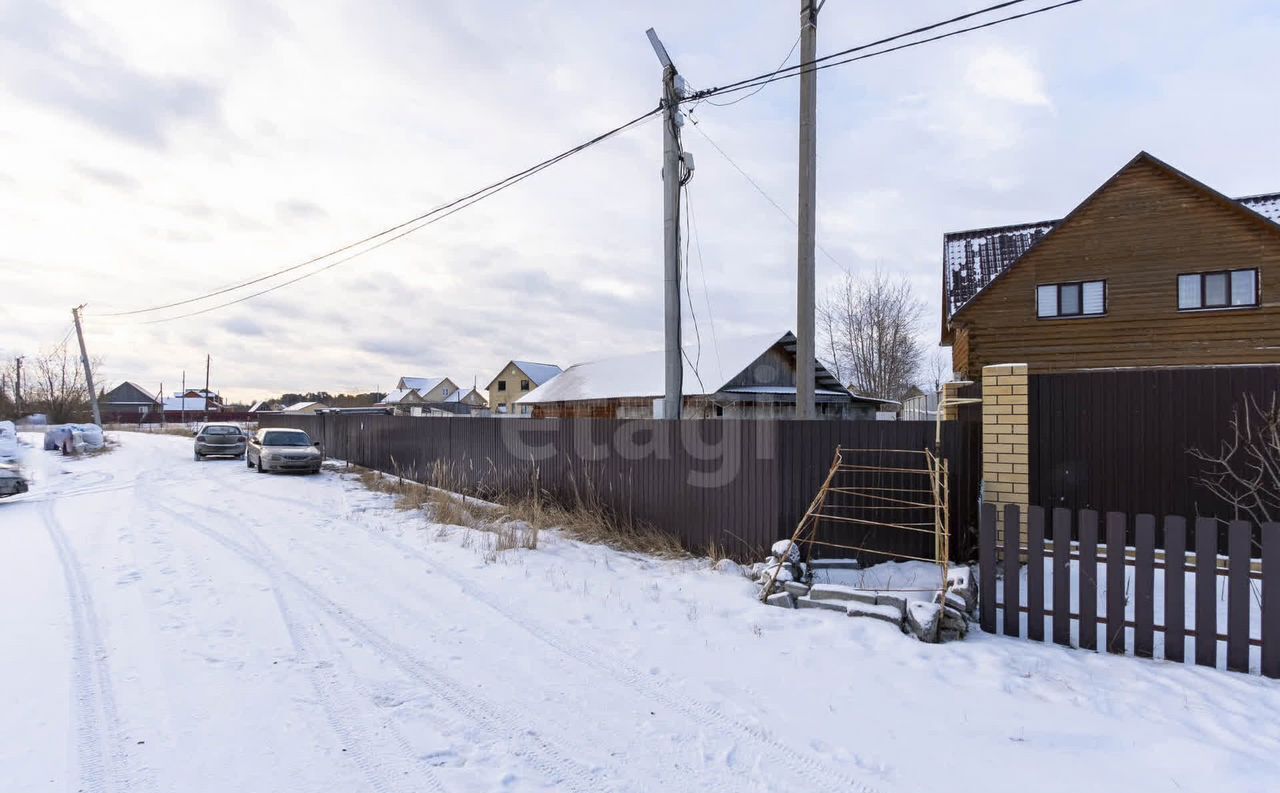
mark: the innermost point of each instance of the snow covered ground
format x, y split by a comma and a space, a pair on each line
179, 626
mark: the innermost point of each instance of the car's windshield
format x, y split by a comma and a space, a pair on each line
220, 431
286, 438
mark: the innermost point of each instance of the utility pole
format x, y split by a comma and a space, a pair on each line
182, 398
17, 391
806, 289
673, 396
88, 372
161, 393
208, 359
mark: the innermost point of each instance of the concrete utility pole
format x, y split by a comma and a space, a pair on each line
806, 290
673, 396
88, 372
183, 398
17, 391
208, 360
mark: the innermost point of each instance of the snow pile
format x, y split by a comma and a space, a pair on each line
73, 438
8, 441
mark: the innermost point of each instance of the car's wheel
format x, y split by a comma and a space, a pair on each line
248, 463
261, 470
199, 457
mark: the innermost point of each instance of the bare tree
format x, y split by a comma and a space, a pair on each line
869, 323
55, 386
1245, 471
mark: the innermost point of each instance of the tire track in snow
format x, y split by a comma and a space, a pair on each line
812, 769
102, 759
525, 743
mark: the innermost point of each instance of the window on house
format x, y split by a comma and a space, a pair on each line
1222, 289
524, 385
502, 385
1080, 299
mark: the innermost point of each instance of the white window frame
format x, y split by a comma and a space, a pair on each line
1057, 302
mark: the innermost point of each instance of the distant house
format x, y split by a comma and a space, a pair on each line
181, 404
517, 379
265, 406
404, 402
215, 401
1153, 269
753, 377
431, 389
304, 407
467, 396
128, 399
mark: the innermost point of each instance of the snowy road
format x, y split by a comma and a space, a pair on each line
181, 626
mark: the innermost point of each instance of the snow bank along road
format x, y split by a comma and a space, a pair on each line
178, 626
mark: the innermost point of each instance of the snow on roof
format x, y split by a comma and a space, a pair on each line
641, 374
260, 406
421, 384
186, 403
296, 406
539, 373
459, 394
972, 259
397, 396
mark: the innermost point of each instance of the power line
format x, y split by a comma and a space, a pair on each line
407, 227
702, 268
697, 126
786, 58
826, 62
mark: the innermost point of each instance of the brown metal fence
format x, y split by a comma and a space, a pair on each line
738, 484
1143, 600
1120, 439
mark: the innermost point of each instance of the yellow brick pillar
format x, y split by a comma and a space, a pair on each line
1005, 451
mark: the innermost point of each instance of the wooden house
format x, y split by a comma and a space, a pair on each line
1154, 269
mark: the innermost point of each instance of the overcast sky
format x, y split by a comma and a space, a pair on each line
149, 152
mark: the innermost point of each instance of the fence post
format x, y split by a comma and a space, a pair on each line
1238, 541
1175, 585
1035, 573
1144, 586
1088, 579
1115, 582
1062, 576
1012, 571
1271, 599
1206, 591
987, 567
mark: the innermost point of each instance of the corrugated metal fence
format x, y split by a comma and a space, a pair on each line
1119, 440
738, 484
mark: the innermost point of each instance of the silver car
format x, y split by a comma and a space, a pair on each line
283, 450
11, 481
226, 440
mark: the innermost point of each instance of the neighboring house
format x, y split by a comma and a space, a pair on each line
304, 407
404, 402
1154, 269
128, 399
265, 406
181, 404
466, 396
201, 394
753, 377
431, 389
517, 379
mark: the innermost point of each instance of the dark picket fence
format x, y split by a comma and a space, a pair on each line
736, 484
1129, 617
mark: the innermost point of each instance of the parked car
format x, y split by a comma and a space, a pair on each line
226, 440
283, 450
11, 481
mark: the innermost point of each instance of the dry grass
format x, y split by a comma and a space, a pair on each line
519, 520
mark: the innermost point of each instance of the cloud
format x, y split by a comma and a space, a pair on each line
1007, 76
54, 62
